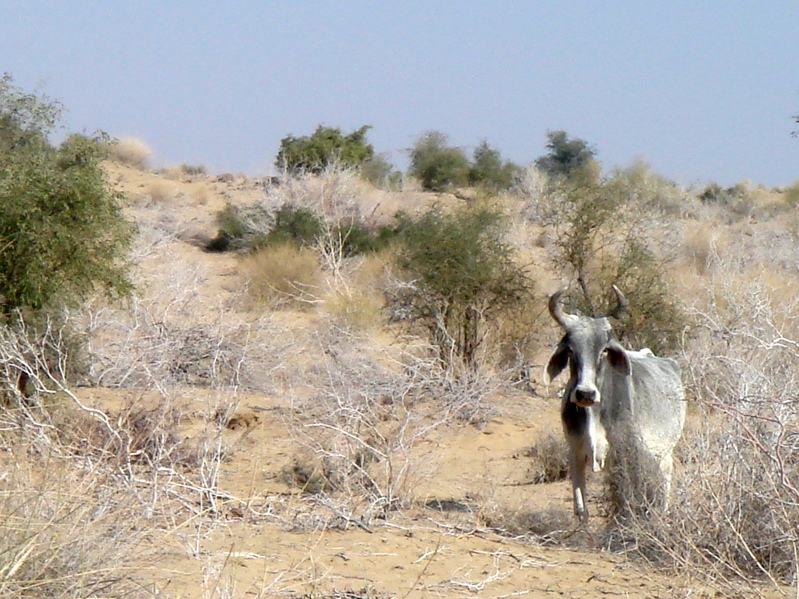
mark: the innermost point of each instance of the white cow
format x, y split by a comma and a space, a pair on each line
630, 402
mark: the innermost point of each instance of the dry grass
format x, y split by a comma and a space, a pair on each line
161, 193
283, 276
68, 531
130, 151
361, 310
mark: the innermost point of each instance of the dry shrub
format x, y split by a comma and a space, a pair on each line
549, 459
283, 275
735, 509
546, 527
199, 194
520, 333
363, 426
359, 309
699, 246
161, 193
67, 533
169, 337
71, 525
141, 434
130, 151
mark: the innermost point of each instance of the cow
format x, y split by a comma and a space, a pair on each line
625, 406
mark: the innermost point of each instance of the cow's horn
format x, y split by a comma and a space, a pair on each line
621, 306
556, 310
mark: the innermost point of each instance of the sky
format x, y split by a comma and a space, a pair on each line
702, 90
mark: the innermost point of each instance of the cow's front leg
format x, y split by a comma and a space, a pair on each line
577, 465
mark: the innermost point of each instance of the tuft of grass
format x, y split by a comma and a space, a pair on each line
69, 530
359, 309
282, 275
130, 151
550, 526
161, 193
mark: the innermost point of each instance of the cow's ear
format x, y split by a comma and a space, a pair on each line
618, 358
558, 361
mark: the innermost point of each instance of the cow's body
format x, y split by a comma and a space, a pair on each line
631, 401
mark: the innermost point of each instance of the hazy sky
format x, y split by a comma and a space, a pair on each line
702, 90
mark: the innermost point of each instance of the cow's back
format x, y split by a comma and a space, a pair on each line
657, 401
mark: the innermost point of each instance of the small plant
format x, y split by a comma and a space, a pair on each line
549, 459
292, 224
193, 169
792, 195
566, 155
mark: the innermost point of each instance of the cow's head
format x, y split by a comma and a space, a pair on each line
587, 347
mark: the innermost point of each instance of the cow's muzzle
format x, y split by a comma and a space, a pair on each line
585, 398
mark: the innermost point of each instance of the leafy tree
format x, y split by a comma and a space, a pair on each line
464, 277
62, 232
602, 237
566, 155
436, 164
489, 170
328, 146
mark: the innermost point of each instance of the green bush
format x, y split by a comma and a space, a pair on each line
437, 165
255, 227
329, 146
566, 155
464, 276
294, 224
714, 193
490, 171
62, 232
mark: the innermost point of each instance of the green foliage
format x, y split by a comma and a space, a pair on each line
295, 224
490, 171
566, 156
464, 277
602, 238
716, 194
62, 232
255, 227
329, 146
25, 119
437, 165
